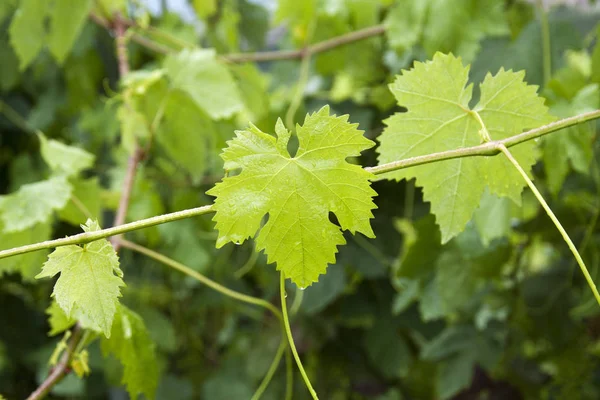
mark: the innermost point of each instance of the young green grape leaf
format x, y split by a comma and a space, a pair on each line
66, 21
296, 192
208, 82
89, 284
28, 265
57, 319
131, 344
439, 118
27, 30
67, 160
34, 203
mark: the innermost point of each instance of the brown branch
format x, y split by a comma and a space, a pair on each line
61, 369
313, 49
120, 28
320, 47
139, 39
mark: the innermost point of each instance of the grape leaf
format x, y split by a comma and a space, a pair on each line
89, 282
27, 30
573, 145
66, 21
208, 82
296, 192
130, 342
439, 118
493, 217
34, 203
64, 159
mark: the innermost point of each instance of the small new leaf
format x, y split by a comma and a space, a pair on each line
439, 118
89, 282
296, 192
130, 342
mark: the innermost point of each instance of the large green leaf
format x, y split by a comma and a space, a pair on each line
27, 30
208, 82
68, 160
34, 203
439, 118
89, 284
130, 342
66, 21
296, 192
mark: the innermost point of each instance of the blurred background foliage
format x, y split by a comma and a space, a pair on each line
499, 312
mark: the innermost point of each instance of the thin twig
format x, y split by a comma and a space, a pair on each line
486, 149
314, 49
60, 370
139, 39
288, 331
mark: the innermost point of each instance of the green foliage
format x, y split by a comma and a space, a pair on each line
507, 106
445, 25
33, 203
130, 343
58, 320
89, 282
27, 30
298, 236
67, 160
467, 290
207, 82
66, 21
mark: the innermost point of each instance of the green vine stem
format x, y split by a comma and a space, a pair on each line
486, 149
229, 293
555, 220
288, 330
104, 233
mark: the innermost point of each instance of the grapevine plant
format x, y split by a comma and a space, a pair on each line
469, 145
